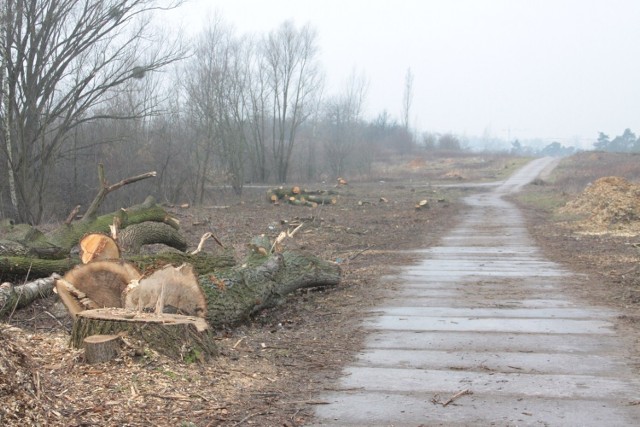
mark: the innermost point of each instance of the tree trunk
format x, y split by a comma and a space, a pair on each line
66, 236
132, 238
233, 292
18, 268
234, 295
179, 337
15, 297
26, 251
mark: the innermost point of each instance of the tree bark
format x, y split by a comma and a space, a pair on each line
132, 238
234, 295
16, 297
234, 292
66, 236
179, 337
26, 251
101, 348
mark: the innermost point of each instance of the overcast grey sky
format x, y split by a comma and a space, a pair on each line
560, 70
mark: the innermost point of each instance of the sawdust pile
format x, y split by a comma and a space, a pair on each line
610, 205
19, 386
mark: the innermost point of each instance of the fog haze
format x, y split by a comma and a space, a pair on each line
556, 70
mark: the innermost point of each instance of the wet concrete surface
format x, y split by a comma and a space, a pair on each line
486, 314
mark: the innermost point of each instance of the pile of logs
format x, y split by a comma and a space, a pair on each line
302, 197
170, 302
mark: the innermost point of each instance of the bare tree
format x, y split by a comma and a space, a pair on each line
343, 127
202, 77
294, 81
234, 113
64, 59
407, 98
259, 96
217, 92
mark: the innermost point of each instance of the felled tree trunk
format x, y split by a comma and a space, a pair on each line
231, 296
33, 254
234, 295
22, 246
134, 237
68, 235
16, 297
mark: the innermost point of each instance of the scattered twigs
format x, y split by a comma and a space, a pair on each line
283, 235
436, 399
206, 236
238, 342
247, 418
357, 254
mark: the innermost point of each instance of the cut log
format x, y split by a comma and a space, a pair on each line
179, 337
27, 252
16, 268
173, 289
67, 236
322, 200
101, 281
422, 204
98, 246
299, 197
101, 348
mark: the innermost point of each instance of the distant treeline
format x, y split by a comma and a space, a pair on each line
625, 143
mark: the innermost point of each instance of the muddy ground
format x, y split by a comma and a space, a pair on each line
271, 371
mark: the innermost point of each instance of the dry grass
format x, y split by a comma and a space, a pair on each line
592, 224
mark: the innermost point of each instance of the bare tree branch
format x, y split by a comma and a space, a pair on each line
65, 59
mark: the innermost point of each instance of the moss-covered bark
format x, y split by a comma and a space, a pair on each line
19, 269
68, 235
234, 295
135, 236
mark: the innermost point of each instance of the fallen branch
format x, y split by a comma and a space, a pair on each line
283, 235
457, 396
14, 297
106, 189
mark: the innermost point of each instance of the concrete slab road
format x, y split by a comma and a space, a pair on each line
481, 332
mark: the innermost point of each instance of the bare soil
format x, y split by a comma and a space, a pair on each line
271, 370
586, 217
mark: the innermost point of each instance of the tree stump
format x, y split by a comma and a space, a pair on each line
101, 348
184, 338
